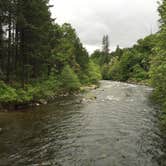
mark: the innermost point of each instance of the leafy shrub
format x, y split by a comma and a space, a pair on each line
23, 96
83, 77
115, 71
7, 93
93, 72
158, 77
69, 79
105, 71
138, 73
31, 92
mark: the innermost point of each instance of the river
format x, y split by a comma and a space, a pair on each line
114, 125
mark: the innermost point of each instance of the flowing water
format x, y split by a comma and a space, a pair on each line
114, 125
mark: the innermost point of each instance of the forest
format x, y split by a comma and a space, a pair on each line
144, 63
39, 59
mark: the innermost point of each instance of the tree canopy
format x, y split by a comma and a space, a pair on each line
36, 52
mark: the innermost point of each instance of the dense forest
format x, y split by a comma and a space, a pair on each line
143, 63
39, 58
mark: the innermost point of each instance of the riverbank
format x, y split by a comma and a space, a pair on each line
143, 82
40, 93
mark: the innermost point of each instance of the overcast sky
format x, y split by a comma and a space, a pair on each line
125, 21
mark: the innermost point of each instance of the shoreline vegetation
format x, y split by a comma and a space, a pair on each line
34, 96
42, 97
39, 59
43, 92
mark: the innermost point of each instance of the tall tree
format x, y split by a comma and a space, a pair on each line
105, 49
105, 44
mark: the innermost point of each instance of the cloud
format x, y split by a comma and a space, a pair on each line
125, 21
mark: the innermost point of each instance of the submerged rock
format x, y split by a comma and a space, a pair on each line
90, 87
37, 104
88, 98
43, 101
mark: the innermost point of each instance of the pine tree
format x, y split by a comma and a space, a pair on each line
105, 49
105, 44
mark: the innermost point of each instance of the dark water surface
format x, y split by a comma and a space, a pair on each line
114, 125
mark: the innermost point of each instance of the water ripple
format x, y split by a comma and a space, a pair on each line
119, 127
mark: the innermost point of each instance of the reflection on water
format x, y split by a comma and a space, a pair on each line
118, 127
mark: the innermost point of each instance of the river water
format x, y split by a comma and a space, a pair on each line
114, 125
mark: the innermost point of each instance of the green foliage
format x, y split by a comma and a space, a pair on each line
138, 74
158, 81
31, 92
93, 72
35, 51
129, 64
90, 75
158, 63
115, 70
7, 93
105, 71
69, 79
83, 77
98, 57
24, 96
128, 67
158, 76
102, 57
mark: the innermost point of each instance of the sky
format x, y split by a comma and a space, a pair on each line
125, 21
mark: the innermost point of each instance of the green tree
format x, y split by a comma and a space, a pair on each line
69, 79
158, 63
158, 76
34, 51
93, 72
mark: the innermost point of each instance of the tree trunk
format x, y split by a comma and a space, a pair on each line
9, 47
